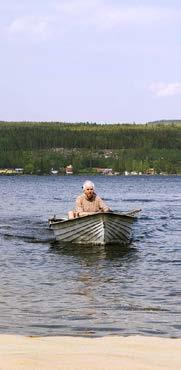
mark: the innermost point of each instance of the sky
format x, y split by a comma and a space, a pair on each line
104, 61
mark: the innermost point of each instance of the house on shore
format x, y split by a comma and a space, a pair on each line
69, 170
104, 171
11, 171
19, 171
54, 172
151, 171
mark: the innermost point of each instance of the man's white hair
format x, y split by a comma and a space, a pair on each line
88, 184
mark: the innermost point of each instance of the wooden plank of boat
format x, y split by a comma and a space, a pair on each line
95, 229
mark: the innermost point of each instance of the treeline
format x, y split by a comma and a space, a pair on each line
40, 146
45, 135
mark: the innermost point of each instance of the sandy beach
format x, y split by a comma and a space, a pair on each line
128, 353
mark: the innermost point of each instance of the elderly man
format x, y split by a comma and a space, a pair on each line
88, 202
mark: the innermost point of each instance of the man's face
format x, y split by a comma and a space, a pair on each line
89, 191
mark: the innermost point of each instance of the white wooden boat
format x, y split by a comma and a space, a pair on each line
96, 229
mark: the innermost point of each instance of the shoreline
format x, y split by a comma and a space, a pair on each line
80, 353
90, 174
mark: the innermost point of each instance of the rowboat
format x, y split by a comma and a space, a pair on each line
95, 229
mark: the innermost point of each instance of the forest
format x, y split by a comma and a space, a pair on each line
37, 147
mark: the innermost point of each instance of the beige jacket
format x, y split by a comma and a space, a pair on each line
96, 204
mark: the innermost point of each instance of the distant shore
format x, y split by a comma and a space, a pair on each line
128, 353
89, 174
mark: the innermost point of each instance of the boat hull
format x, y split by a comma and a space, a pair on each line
96, 229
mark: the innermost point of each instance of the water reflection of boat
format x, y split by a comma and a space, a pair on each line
96, 229
96, 254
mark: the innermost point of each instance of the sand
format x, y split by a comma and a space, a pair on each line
133, 353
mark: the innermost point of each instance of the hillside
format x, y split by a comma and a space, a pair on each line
39, 146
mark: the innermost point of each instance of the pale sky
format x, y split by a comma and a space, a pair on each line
90, 60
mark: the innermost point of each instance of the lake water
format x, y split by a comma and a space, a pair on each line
50, 289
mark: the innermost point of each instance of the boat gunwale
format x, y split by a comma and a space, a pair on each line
54, 221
